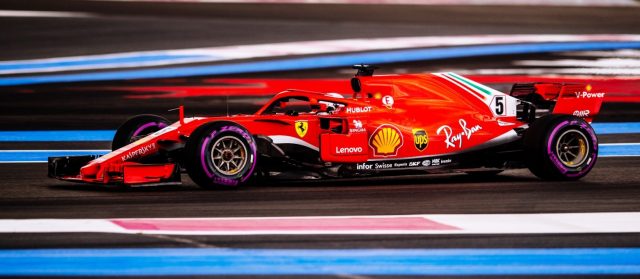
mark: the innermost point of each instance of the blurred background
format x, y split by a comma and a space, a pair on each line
71, 71
76, 64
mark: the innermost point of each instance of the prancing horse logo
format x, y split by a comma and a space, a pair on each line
301, 127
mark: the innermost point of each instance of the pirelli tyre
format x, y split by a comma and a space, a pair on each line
560, 147
136, 128
220, 155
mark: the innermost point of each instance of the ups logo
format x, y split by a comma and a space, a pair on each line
420, 139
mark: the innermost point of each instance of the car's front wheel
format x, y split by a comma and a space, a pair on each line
220, 155
561, 147
136, 128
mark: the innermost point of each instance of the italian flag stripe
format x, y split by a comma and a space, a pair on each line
464, 86
473, 84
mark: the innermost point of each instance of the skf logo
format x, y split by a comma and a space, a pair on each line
301, 128
420, 139
386, 140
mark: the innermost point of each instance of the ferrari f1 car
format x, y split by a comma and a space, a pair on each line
388, 124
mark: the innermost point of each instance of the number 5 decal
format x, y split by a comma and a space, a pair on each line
499, 105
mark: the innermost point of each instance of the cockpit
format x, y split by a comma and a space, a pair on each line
302, 105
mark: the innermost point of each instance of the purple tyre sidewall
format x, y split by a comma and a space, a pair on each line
205, 161
146, 126
593, 145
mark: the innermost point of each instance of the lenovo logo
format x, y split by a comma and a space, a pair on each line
348, 150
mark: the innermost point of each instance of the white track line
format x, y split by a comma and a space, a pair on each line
12, 13
620, 53
611, 222
418, 2
239, 52
583, 63
622, 72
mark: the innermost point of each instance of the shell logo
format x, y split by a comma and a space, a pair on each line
386, 140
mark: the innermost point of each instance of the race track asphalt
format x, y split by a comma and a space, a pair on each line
612, 186
25, 192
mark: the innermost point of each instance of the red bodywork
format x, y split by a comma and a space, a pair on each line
392, 118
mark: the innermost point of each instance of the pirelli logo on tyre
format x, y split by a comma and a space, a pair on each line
386, 140
420, 139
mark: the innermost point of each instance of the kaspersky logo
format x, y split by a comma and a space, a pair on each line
386, 140
420, 139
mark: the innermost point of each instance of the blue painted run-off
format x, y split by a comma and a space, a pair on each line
107, 135
34, 156
619, 149
325, 61
616, 128
41, 156
212, 261
59, 135
98, 61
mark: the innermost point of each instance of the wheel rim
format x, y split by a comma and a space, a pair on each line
572, 148
229, 155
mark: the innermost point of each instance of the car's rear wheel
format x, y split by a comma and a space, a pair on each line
561, 147
220, 155
136, 128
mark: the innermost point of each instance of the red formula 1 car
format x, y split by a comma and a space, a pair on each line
389, 124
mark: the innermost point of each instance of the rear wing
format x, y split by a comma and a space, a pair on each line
573, 99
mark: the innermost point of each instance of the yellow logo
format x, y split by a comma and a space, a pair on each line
386, 140
420, 139
301, 128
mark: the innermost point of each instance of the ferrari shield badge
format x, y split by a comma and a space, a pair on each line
301, 128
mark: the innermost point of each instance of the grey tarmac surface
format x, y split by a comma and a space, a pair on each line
611, 187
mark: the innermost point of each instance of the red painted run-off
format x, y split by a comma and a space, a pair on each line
285, 224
